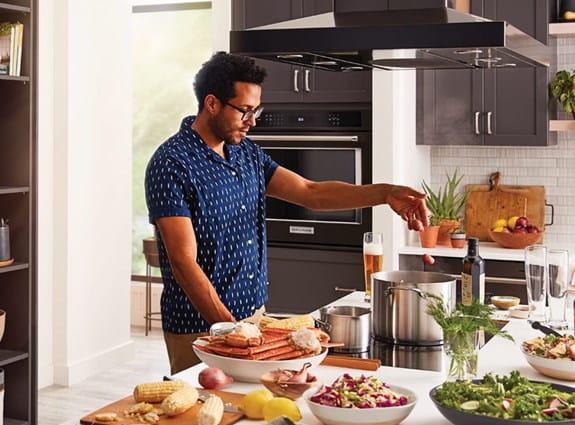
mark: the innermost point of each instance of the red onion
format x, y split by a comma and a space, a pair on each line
212, 378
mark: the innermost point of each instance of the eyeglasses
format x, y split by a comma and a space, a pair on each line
247, 114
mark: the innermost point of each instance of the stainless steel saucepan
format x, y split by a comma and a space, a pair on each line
347, 324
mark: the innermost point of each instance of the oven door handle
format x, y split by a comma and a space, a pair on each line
293, 138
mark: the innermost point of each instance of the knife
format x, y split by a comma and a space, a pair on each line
204, 395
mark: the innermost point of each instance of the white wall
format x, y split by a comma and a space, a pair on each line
85, 98
396, 158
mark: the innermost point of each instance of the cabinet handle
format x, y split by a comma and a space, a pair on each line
306, 81
295, 78
338, 289
477, 122
489, 115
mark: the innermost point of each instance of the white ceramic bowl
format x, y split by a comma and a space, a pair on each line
376, 416
557, 368
251, 370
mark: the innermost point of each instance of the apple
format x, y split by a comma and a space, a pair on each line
522, 222
519, 229
532, 229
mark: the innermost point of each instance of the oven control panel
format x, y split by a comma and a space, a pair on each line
313, 119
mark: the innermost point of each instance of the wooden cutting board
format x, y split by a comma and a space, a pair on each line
186, 418
487, 203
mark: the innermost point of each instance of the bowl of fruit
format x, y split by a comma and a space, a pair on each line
515, 232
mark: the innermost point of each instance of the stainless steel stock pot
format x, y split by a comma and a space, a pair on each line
399, 304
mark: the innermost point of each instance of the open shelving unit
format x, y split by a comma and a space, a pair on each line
562, 29
18, 281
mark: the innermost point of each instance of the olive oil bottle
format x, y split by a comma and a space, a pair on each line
473, 275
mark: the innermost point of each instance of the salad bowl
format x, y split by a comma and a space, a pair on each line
330, 415
463, 417
557, 368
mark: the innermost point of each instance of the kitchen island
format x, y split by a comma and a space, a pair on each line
498, 355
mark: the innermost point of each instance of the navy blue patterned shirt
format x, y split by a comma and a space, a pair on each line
225, 200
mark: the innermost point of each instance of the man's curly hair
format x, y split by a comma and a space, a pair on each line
218, 75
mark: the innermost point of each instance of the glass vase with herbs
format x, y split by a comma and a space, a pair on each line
462, 332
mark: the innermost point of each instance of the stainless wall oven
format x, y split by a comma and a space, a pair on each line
320, 144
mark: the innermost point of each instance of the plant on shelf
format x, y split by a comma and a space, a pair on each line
563, 89
446, 206
461, 333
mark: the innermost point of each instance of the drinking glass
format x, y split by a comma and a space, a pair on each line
372, 258
536, 277
558, 283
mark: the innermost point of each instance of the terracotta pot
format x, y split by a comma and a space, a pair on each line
428, 237
458, 240
445, 229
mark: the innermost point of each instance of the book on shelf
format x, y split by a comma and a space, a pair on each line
11, 37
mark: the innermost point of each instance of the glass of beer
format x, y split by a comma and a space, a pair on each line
372, 258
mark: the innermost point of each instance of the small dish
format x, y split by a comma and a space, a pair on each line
6, 263
291, 390
504, 302
519, 311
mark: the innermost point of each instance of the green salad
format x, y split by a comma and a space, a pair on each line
508, 397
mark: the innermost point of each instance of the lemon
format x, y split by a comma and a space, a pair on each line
498, 229
501, 222
511, 221
281, 406
253, 403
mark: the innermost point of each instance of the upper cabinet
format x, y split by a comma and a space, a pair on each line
291, 83
504, 107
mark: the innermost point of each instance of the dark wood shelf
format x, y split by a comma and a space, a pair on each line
16, 8
23, 79
10, 421
6, 190
13, 267
9, 356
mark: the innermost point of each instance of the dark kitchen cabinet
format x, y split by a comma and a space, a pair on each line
499, 107
505, 107
294, 84
530, 16
18, 281
302, 280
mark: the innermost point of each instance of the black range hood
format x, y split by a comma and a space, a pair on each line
437, 38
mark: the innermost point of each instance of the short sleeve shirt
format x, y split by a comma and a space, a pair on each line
225, 200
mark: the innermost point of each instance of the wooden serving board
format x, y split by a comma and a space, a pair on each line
186, 418
485, 204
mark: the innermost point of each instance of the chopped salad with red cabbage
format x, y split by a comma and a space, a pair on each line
363, 392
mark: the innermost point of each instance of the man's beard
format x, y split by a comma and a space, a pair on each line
222, 130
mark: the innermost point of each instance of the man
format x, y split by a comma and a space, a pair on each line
206, 189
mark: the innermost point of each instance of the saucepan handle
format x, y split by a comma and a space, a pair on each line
400, 288
324, 326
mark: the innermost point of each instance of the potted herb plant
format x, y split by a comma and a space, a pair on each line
447, 205
458, 236
461, 333
563, 89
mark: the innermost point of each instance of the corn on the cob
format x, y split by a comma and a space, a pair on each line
266, 321
155, 392
211, 412
295, 322
179, 401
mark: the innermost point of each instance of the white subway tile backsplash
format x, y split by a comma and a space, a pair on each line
552, 167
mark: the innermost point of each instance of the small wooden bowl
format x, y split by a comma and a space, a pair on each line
291, 390
504, 302
515, 240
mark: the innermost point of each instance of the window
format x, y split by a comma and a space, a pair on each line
170, 43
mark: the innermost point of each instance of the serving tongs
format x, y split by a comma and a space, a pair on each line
545, 329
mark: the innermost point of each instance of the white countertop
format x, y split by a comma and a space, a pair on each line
498, 355
487, 250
